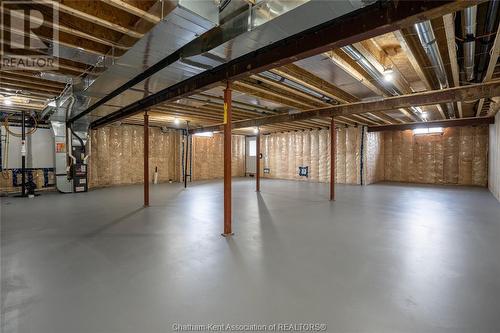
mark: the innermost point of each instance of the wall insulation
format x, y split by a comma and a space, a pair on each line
458, 156
208, 157
284, 153
375, 157
494, 158
117, 157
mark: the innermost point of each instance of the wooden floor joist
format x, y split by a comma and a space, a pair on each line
471, 92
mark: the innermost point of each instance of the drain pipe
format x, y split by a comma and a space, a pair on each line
469, 41
360, 59
487, 40
428, 41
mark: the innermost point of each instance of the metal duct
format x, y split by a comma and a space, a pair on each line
428, 41
469, 41
185, 21
355, 55
270, 22
487, 40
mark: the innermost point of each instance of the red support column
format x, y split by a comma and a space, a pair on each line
257, 161
146, 159
227, 160
333, 153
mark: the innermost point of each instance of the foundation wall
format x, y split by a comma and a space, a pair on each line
458, 156
494, 158
117, 156
208, 157
284, 153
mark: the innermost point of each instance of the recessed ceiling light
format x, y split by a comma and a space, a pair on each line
256, 130
176, 121
7, 101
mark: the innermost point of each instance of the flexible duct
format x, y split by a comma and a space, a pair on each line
469, 41
487, 40
428, 41
355, 55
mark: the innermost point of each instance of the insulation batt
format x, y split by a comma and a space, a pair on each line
208, 157
117, 155
285, 152
458, 156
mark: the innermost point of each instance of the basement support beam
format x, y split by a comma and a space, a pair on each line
257, 161
146, 159
227, 161
463, 93
435, 123
333, 158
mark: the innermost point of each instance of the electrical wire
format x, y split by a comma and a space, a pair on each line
6, 125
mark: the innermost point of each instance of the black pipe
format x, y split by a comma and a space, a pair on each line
190, 158
487, 40
23, 153
182, 155
79, 139
361, 154
186, 158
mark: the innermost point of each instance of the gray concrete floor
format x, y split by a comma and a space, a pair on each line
382, 258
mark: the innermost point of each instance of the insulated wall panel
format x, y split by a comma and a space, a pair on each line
374, 157
458, 156
117, 155
208, 157
312, 149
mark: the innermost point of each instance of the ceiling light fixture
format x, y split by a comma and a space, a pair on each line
388, 74
256, 130
176, 121
7, 101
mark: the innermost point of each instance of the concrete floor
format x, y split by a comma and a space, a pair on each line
382, 258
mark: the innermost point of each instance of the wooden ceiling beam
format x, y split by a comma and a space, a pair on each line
435, 123
71, 31
470, 92
343, 61
133, 10
291, 91
449, 27
60, 42
311, 81
32, 80
91, 18
262, 92
491, 67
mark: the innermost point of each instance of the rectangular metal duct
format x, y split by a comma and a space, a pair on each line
186, 21
271, 21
